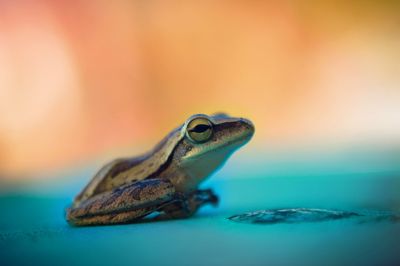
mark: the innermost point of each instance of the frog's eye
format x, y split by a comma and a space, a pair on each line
199, 129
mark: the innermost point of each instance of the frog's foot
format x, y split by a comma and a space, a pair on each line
206, 196
122, 205
185, 206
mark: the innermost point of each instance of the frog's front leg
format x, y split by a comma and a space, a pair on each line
186, 206
124, 204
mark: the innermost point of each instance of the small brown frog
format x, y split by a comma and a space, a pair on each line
165, 180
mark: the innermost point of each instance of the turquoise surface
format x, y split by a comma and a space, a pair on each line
33, 229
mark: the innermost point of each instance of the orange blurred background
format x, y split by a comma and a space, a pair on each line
85, 79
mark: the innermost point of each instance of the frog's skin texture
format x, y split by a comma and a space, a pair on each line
165, 180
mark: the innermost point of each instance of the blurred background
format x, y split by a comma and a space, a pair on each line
82, 82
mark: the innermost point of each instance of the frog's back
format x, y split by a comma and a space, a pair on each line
127, 170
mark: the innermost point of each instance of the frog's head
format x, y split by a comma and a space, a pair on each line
208, 141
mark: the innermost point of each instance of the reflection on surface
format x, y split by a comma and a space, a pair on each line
301, 215
295, 215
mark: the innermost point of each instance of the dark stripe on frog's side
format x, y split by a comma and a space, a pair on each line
126, 165
129, 163
164, 166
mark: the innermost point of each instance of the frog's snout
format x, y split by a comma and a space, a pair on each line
248, 125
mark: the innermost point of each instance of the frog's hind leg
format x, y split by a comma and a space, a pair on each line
122, 205
187, 206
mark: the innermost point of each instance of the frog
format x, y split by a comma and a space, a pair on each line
163, 183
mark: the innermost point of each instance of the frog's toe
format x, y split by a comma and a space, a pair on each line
214, 200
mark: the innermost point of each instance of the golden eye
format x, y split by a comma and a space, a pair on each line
199, 129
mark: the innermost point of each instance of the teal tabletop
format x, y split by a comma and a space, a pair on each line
33, 230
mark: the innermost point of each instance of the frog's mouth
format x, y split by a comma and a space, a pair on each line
235, 142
